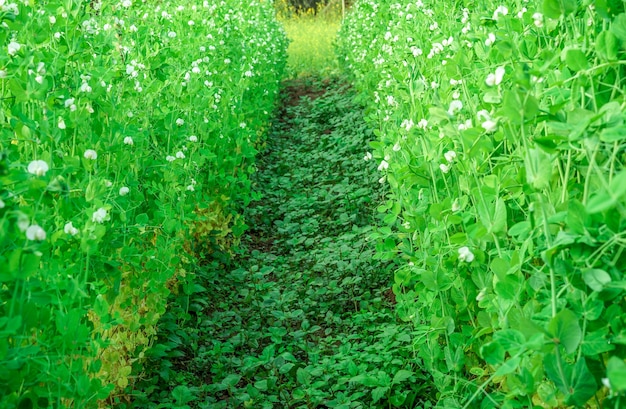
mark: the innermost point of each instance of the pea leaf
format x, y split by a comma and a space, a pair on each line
596, 279
565, 330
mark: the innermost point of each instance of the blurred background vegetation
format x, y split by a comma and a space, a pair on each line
311, 27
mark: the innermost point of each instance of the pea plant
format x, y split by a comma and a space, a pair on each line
501, 135
128, 131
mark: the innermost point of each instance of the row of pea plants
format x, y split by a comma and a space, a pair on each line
128, 131
502, 135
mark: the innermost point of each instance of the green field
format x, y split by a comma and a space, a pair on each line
220, 205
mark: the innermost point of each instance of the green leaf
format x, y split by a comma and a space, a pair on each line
492, 352
555, 8
597, 342
574, 381
596, 279
366, 380
574, 58
565, 330
618, 27
616, 372
182, 395
231, 380
613, 134
303, 376
607, 46
401, 376
511, 340
508, 367
379, 393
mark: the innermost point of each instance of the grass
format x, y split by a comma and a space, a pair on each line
311, 43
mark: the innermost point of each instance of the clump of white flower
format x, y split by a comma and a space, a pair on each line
495, 78
538, 19
193, 138
124, 190
35, 233
455, 106
128, 141
491, 38
100, 215
61, 123
466, 255
500, 11
383, 165
180, 155
444, 168
38, 167
13, 47
368, 156
70, 229
450, 156
90, 154
170, 158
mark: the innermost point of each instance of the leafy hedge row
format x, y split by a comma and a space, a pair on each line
128, 130
502, 135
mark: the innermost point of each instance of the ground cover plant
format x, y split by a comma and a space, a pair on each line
128, 131
501, 135
301, 318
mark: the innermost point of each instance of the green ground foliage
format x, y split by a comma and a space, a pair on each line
302, 316
502, 135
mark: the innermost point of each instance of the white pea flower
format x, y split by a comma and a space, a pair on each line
170, 158
128, 141
90, 154
466, 255
13, 47
38, 167
521, 13
455, 106
397, 147
100, 215
180, 122
61, 123
191, 188
193, 138
227, 61
85, 87
52, 19
500, 11
391, 100
3, 74
423, 123
243, 125
450, 156
70, 229
22, 222
171, 34
491, 38
538, 19
382, 180
444, 168
456, 206
124, 190
490, 126
495, 78
368, 156
35, 233
180, 155
407, 124
383, 165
